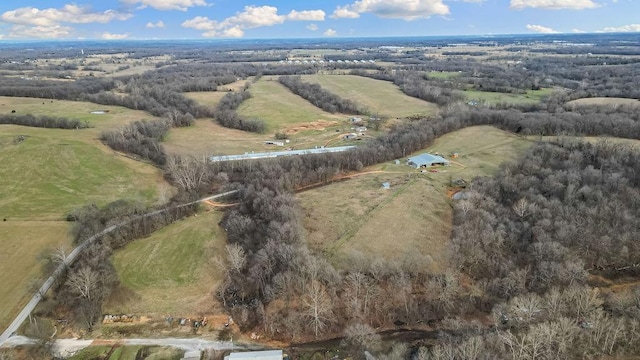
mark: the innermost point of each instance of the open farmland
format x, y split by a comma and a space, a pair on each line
280, 108
604, 101
171, 271
20, 244
488, 97
414, 215
46, 173
379, 97
206, 98
209, 138
113, 117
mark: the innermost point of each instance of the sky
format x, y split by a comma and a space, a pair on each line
254, 19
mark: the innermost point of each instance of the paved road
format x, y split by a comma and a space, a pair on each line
22, 316
67, 347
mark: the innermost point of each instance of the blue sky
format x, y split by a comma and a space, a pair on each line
193, 19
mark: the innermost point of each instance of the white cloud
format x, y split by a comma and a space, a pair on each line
40, 32
330, 32
182, 5
252, 17
200, 23
554, 4
400, 9
625, 28
69, 13
312, 27
577, 31
541, 29
306, 15
152, 25
110, 36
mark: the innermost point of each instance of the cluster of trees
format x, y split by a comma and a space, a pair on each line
315, 94
227, 116
43, 121
141, 138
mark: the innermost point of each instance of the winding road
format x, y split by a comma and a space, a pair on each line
73, 255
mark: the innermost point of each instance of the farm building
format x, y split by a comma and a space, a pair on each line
256, 355
426, 160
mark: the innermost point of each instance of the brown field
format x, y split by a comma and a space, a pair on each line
206, 98
115, 117
604, 101
22, 242
413, 218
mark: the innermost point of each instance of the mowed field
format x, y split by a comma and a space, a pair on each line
280, 108
604, 101
115, 117
379, 97
172, 271
412, 219
46, 173
20, 244
488, 97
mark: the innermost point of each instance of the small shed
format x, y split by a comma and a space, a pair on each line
426, 160
350, 136
386, 185
255, 355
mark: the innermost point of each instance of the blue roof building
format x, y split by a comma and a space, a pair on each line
426, 160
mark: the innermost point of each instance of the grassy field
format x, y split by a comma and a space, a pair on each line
414, 216
171, 271
379, 97
206, 98
20, 244
604, 101
116, 115
442, 74
280, 108
487, 97
47, 174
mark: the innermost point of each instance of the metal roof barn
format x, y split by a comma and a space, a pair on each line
426, 160
255, 355
273, 154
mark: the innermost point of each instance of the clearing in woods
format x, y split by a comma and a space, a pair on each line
21, 243
489, 97
379, 97
280, 108
172, 271
604, 101
411, 220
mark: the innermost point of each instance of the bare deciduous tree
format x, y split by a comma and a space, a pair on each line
84, 282
237, 257
318, 308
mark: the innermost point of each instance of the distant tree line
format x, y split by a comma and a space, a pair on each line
43, 121
315, 94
